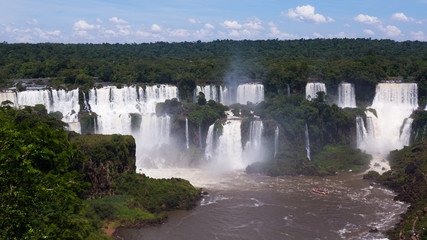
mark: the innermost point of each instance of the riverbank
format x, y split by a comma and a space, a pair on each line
408, 178
254, 206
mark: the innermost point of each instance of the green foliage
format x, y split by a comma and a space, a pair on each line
201, 100
408, 177
108, 156
171, 107
87, 122
156, 195
371, 175
277, 63
39, 187
419, 126
341, 158
206, 115
331, 131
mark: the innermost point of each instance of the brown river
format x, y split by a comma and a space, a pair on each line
242, 206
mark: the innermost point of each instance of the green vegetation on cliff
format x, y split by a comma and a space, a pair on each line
408, 177
44, 178
331, 133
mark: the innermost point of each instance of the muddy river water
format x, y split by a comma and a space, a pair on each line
242, 206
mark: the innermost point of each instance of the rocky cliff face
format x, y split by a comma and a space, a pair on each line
107, 157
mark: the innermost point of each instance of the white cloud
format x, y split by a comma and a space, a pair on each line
276, 33
255, 24
111, 32
346, 25
179, 33
209, 26
401, 17
193, 21
25, 39
418, 36
124, 30
156, 28
98, 20
32, 22
391, 31
368, 32
81, 33
317, 35
231, 24
234, 33
366, 19
117, 20
46, 34
306, 14
83, 25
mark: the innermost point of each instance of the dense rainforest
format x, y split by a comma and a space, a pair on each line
277, 63
60, 185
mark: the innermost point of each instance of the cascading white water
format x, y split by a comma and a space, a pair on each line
405, 132
307, 143
187, 138
131, 110
200, 136
346, 95
289, 90
229, 151
253, 150
250, 92
361, 133
393, 103
311, 89
8, 96
276, 141
210, 91
85, 104
226, 151
227, 95
210, 144
66, 102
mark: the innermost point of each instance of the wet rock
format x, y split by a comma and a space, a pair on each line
373, 230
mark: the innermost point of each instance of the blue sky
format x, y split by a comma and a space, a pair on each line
132, 21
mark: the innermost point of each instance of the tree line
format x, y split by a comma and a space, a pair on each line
278, 63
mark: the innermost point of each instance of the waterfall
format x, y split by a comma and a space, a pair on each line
8, 96
200, 136
393, 102
86, 105
116, 107
187, 140
276, 141
346, 95
210, 91
250, 92
66, 102
253, 150
405, 132
227, 95
307, 142
226, 152
289, 90
361, 132
311, 89
210, 144
390, 128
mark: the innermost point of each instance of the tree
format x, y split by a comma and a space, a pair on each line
39, 184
